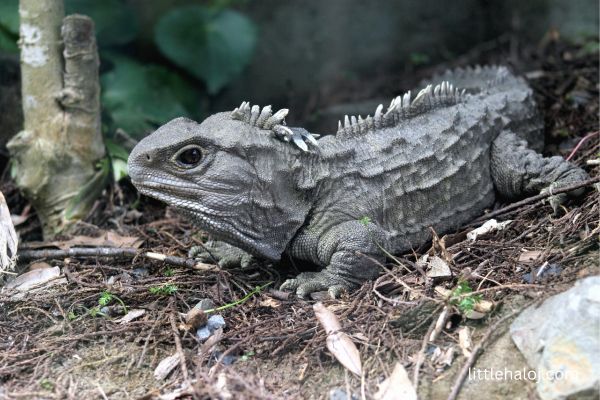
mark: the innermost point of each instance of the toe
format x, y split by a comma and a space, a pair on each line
336, 291
305, 289
290, 285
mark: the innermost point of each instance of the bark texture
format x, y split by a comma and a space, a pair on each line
56, 155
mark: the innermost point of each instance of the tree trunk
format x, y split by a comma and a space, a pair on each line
56, 155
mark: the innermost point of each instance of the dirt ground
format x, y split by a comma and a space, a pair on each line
66, 340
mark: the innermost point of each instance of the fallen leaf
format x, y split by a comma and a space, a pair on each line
18, 219
270, 302
165, 367
106, 239
9, 240
438, 268
442, 358
38, 265
397, 386
338, 342
131, 315
483, 306
529, 256
488, 227
31, 279
465, 341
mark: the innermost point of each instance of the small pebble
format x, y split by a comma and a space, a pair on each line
340, 394
205, 304
549, 271
214, 322
140, 272
228, 359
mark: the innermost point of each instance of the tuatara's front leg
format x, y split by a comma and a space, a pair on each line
226, 255
350, 251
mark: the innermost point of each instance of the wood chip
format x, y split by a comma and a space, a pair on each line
165, 367
338, 342
397, 386
465, 341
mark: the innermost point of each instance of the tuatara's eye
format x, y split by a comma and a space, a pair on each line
190, 157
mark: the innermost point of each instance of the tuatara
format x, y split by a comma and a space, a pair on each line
436, 159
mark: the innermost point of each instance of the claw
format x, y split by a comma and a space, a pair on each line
555, 200
310, 282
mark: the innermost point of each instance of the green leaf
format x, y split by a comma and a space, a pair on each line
213, 45
8, 41
118, 157
115, 150
115, 21
140, 97
9, 16
119, 168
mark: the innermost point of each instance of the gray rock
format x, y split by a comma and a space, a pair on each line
214, 322
205, 304
561, 340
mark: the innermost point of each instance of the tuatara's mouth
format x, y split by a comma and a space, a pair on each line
212, 221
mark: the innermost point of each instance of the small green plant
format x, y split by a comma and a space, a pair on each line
95, 311
104, 300
247, 355
46, 384
463, 298
71, 315
365, 220
164, 290
169, 272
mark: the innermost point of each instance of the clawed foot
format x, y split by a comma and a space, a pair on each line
555, 200
310, 282
225, 255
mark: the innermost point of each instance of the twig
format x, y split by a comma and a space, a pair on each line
421, 354
582, 141
476, 350
440, 323
184, 369
538, 197
130, 252
141, 359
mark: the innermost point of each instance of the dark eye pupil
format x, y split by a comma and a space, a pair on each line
190, 156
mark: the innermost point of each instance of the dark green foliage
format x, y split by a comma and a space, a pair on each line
9, 16
212, 45
9, 25
140, 97
114, 20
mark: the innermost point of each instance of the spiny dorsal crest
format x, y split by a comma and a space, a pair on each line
265, 119
401, 108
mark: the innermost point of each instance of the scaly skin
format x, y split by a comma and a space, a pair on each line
437, 160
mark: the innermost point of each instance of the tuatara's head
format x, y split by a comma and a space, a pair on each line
230, 174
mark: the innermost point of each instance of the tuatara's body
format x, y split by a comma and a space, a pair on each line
437, 160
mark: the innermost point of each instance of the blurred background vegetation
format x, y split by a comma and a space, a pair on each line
163, 59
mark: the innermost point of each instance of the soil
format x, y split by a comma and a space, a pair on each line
59, 342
